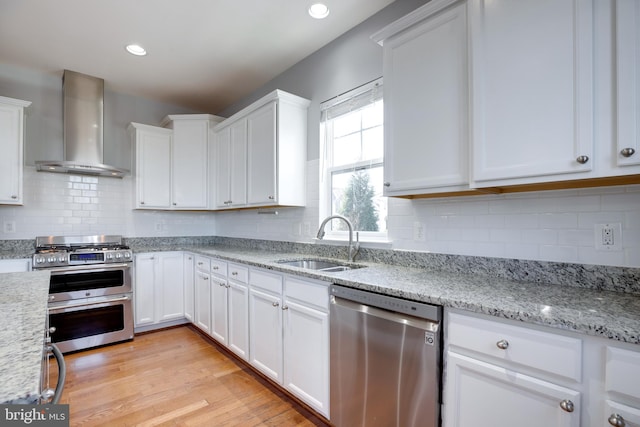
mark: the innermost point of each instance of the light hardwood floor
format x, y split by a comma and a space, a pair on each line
173, 377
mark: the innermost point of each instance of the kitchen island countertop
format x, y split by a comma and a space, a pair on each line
24, 306
613, 315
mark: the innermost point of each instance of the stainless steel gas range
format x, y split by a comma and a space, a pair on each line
90, 292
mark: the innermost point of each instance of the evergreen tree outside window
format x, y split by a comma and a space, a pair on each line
351, 159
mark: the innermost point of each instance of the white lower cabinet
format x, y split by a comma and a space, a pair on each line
189, 286
289, 330
202, 285
158, 288
622, 387
238, 310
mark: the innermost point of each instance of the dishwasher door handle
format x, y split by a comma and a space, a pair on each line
404, 319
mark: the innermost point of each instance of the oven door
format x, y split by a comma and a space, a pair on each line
82, 281
79, 324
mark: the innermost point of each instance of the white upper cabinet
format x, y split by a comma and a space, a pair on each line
152, 166
628, 82
189, 159
231, 166
532, 89
12, 147
261, 154
426, 100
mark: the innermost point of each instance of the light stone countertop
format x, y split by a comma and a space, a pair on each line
23, 303
613, 315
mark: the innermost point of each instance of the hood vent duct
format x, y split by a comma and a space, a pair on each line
83, 115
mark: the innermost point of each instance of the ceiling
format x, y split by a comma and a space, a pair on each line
202, 54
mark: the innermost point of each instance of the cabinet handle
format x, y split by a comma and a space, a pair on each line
387, 184
142, 203
616, 420
627, 152
567, 405
285, 307
205, 277
271, 197
215, 267
174, 203
582, 159
14, 197
227, 286
275, 304
503, 344
200, 263
234, 273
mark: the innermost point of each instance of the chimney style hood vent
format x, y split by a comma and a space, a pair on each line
83, 114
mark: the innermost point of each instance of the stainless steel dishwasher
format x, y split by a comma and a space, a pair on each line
385, 360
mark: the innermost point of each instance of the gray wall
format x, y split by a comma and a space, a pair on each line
43, 133
348, 62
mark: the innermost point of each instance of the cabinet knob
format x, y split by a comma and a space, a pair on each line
215, 267
222, 284
627, 152
271, 198
14, 197
285, 307
567, 405
387, 184
275, 304
502, 344
174, 203
234, 273
582, 159
227, 286
205, 277
142, 203
616, 420
53, 329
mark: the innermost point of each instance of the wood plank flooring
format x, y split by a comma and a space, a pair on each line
173, 377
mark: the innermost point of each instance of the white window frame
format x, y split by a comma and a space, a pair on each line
326, 153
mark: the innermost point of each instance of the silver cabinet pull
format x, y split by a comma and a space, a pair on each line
14, 197
215, 267
627, 152
616, 420
567, 405
285, 307
387, 184
234, 273
582, 159
271, 197
174, 203
142, 203
502, 344
275, 304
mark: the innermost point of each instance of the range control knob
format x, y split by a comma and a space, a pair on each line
127, 255
39, 260
118, 255
61, 258
51, 259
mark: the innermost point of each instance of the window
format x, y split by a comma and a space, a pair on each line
351, 165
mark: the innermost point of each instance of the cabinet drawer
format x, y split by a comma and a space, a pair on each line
544, 351
308, 292
203, 263
238, 273
623, 373
265, 280
219, 267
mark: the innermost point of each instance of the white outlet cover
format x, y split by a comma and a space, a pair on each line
598, 234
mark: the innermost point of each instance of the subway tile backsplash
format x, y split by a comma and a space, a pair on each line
540, 226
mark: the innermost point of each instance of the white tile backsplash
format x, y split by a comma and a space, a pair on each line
545, 226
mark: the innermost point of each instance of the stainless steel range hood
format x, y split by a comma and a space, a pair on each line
83, 114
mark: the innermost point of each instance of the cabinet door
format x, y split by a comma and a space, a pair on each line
239, 319
482, 394
222, 141
203, 301
144, 289
306, 344
153, 168
628, 81
189, 164
11, 147
426, 106
626, 416
170, 286
266, 333
532, 89
261, 155
219, 310
238, 164
189, 286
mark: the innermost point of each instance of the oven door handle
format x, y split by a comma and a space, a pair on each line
86, 304
86, 268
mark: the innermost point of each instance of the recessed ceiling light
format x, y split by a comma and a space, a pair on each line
319, 10
136, 49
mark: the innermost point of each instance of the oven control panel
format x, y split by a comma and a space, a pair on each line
61, 259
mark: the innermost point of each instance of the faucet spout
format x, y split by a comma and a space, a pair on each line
353, 248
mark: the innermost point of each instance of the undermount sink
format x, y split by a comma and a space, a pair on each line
319, 265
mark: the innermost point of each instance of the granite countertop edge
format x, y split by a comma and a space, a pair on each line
608, 314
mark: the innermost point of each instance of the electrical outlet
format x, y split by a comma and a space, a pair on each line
9, 227
418, 231
608, 237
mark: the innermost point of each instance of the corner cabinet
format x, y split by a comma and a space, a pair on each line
189, 159
426, 100
261, 154
12, 148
